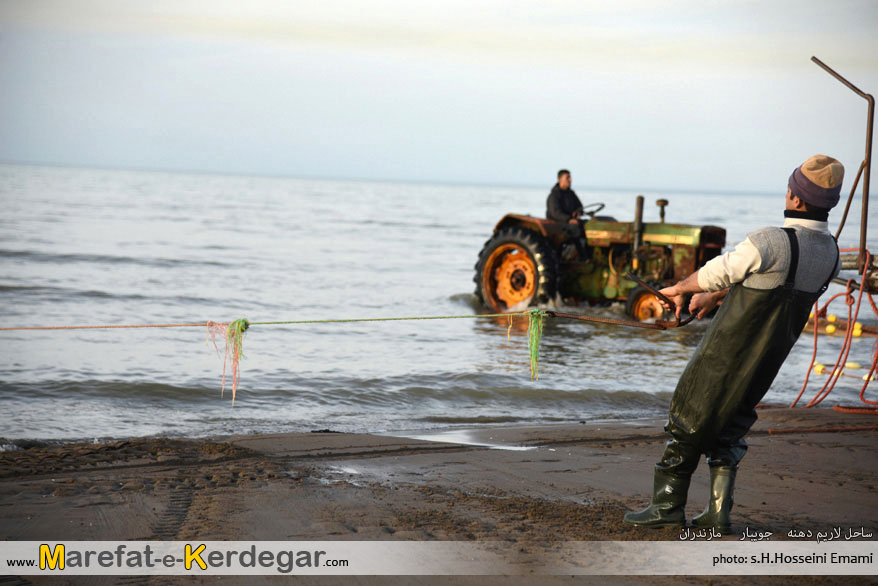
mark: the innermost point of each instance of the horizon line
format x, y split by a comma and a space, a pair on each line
450, 182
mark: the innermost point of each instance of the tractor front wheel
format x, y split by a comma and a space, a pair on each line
643, 305
516, 268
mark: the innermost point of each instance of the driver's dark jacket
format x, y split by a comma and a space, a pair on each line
561, 204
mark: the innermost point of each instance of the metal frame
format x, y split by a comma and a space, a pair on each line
865, 167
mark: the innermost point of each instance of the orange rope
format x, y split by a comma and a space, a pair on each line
853, 313
823, 429
813, 355
198, 325
863, 410
835, 375
874, 362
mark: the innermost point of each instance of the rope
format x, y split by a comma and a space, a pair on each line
658, 325
378, 319
232, 334
859, 410
293, 322
269, 323
823, 429
853, 307
199, 325
534, 335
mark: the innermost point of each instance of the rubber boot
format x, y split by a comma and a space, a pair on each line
668, 501
717, 513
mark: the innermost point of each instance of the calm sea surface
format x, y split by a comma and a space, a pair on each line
84, 246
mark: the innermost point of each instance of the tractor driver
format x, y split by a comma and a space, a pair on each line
563, 206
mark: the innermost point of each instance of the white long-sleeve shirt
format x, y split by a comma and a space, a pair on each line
762, 260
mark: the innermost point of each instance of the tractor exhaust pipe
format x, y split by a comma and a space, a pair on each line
638, 232
662, 204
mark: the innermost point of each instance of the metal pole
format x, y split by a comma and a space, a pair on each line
867, 162
638, 232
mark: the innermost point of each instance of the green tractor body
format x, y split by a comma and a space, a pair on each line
530, 261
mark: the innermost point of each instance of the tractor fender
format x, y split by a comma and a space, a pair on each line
523, 221
549, 229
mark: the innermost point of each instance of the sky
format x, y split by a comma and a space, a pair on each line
714, 95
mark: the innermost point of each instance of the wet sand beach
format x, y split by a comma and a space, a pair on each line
534, 486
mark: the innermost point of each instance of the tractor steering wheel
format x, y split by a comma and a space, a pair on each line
592, 208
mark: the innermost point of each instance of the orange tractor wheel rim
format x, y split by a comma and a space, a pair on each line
647, 307
510, 276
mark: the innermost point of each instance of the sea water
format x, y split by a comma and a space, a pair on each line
88, 246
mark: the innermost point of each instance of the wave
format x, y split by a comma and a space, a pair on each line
129, 390
62, 258
99, 410
48, 293
409, 393
467, 300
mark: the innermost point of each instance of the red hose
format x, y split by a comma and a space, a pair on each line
862, 410
874, 362
836, 373
813, 356
843, 354
823, 429
853, 313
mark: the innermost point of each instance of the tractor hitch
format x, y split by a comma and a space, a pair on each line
659, 324
667, 324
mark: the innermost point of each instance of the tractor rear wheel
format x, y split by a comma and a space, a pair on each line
643, 305
516, 268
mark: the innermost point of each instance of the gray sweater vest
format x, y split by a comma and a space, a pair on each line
817, 253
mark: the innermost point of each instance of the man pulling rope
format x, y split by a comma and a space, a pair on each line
769, 284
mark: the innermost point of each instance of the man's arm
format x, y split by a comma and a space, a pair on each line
701, 303
577, 205
715, 277
554, 210
676, 293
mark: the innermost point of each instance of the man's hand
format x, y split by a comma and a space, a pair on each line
677, 292
703, 303
674, 294
572, 221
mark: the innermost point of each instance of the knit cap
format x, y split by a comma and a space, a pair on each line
818, 181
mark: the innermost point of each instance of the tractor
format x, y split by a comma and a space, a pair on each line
530, 261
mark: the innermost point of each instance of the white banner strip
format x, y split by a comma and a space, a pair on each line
219, 558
